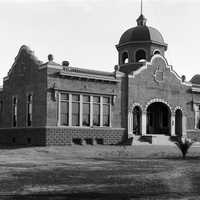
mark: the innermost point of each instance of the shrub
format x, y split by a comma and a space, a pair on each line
184, 144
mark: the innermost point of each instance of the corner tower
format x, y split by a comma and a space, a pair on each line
139, 43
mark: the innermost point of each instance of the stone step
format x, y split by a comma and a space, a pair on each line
153, 139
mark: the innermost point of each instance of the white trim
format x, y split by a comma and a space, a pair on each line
178, 108
81, 110
144, 123
195, 89
110, 114
132, 106
101, 111
130, 122
44, 66
14, 96
184, 125
91, 111
173, 125
155, 51
59, 108
159, 101
70, 109
27, 94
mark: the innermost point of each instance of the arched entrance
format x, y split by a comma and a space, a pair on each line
178, 122
137, 113
158, 118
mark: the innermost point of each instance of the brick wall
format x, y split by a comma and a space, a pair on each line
25, 78
59, 136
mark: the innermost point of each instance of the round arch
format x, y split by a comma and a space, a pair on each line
158, 100
156, 51
125, 57
158, 117
140, 54
137, 119
178, 122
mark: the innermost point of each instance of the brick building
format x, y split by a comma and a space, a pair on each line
143, 99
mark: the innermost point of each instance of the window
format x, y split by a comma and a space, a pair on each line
156, 52
75, 110
64, 109
140, 55
106, 111
197, 116
125, 58
1, 106
86, 111
29, 109
14, 112
96, 111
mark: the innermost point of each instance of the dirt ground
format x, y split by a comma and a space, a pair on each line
99, 172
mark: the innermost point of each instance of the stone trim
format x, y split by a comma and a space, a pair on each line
158, 100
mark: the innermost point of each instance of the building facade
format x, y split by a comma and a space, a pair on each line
143, 100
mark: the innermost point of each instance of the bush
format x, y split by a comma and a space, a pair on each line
184, 144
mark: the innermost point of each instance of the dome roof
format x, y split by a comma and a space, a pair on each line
195, 79
142, 33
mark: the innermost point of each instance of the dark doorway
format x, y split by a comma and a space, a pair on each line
137, 120
178, 122
158, 119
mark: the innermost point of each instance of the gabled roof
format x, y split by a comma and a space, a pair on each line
24, 51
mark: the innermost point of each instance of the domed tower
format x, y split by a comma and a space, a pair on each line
139, 43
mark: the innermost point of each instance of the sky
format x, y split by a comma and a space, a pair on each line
85, 32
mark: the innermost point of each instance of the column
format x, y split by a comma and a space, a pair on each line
144, 123
173, 125
184, 125
130, 125
196, 116
70, 109
81, 110
58, 108
91, 111
101, 111
110, 120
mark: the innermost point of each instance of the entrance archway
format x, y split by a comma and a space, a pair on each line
158, 119
178, 122
137, 113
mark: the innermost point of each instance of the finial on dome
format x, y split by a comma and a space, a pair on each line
50, 57
141, 20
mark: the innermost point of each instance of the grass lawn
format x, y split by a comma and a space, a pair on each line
99, 172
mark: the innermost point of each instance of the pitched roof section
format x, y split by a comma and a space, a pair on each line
24, 52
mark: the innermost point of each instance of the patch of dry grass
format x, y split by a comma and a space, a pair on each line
133, 171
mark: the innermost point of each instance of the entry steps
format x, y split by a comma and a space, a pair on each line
154, 139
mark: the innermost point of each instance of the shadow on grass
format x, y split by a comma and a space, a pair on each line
98, 196
150, 158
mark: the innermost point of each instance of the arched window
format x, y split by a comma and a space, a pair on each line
137, 113
140, 55
156, 52
178, 122
125, 58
